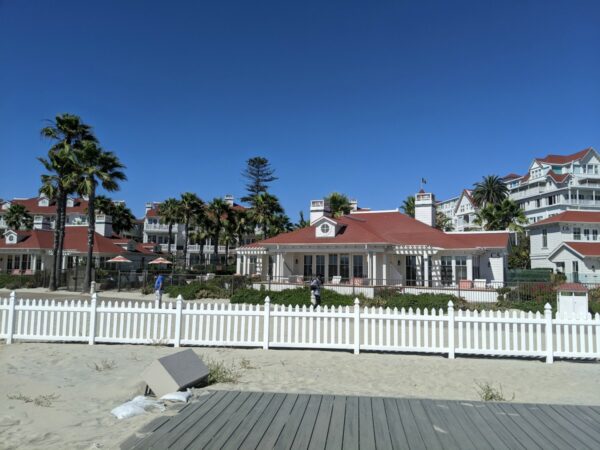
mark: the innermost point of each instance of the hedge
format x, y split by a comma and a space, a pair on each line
18, 281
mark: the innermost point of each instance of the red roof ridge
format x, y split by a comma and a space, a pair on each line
564, 159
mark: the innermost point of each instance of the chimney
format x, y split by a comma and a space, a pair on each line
318, 209
354, 204
104, 225
425, 208
229, 199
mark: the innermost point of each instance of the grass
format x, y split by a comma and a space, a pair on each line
44, 401
488, 393
246, 364
219, 372
103, 366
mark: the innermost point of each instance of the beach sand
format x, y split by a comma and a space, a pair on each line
79, 417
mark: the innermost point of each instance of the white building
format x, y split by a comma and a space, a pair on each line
551, 185
568, 243
379, 248
156, 231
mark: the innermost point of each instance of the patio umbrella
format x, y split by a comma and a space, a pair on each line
160, 260
119, 259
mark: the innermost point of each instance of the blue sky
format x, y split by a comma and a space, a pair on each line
359, 97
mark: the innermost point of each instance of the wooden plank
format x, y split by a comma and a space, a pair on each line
206, 402
290, 428
318, 439
235, 440
189, 429
411, 429
584, 426
272, 432
528, 424
395, 428
468, 416
447, 431
366, 433
428, 434
582, 413
579, 431
501, 425
380, 424
280, 405
350, 435
522, 437
227, 424
545, 427
335, 434
307, 425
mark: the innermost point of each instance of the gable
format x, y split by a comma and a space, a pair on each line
464, 204
326, 227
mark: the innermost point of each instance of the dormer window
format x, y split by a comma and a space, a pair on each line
325, 228
70, 203
43, 201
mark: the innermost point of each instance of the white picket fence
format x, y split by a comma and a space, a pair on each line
494, 333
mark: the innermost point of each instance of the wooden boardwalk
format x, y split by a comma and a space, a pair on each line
258, 420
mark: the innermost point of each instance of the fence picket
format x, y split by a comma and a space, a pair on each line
508, 333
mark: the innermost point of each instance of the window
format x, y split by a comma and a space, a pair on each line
446, 270
461, 267
586, 234
38, 263
345, 266
544, 238
333, 265
538, 203
577, 234
357, 269
560, 267
308, 266
320, 265
411, 270
594, 235
551, 200
325, 228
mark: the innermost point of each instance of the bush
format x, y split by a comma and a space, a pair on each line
299, 296
414, 301
527, 297
19, 281
199, 290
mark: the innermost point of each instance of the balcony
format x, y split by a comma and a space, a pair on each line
207, 249
159, 227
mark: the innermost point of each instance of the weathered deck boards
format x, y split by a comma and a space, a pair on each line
232, 420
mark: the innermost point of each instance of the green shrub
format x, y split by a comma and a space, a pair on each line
199, 290
8, 281
299, 296
424, 300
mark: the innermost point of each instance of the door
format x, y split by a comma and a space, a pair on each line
411, 270
575, 271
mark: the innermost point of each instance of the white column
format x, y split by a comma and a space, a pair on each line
454, 269
469, 267
425, 269
33, 261
374, 260
238, 264
384, 269
369, 265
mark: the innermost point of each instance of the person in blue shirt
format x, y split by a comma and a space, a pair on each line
158, 290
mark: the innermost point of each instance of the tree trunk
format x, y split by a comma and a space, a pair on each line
201, 250
53, 281
185, 243
91, 234
170, 235
216, 246
61, 230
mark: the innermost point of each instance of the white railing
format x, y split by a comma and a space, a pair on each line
159, 227
497, 333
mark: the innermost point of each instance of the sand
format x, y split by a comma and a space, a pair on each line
79, 418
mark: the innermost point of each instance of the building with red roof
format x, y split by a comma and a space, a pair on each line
156, 231
30, 251
378, 248
551, 185
569, 243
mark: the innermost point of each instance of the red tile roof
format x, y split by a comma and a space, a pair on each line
31, 204
391, 228
559, 178
571, 216
564, 159
75, 241
585, 248
511, 176
572, 287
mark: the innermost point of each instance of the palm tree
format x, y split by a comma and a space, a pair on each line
503, 216
169, 212
95, 167
190, 206
229, 235
17, 217
408, 206
243, 225
67, 132
302, 223
266, 207
339, 204
490, 190
443, 222
280, 223
217, 213
122, 217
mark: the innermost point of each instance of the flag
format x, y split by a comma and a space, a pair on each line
423, 180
